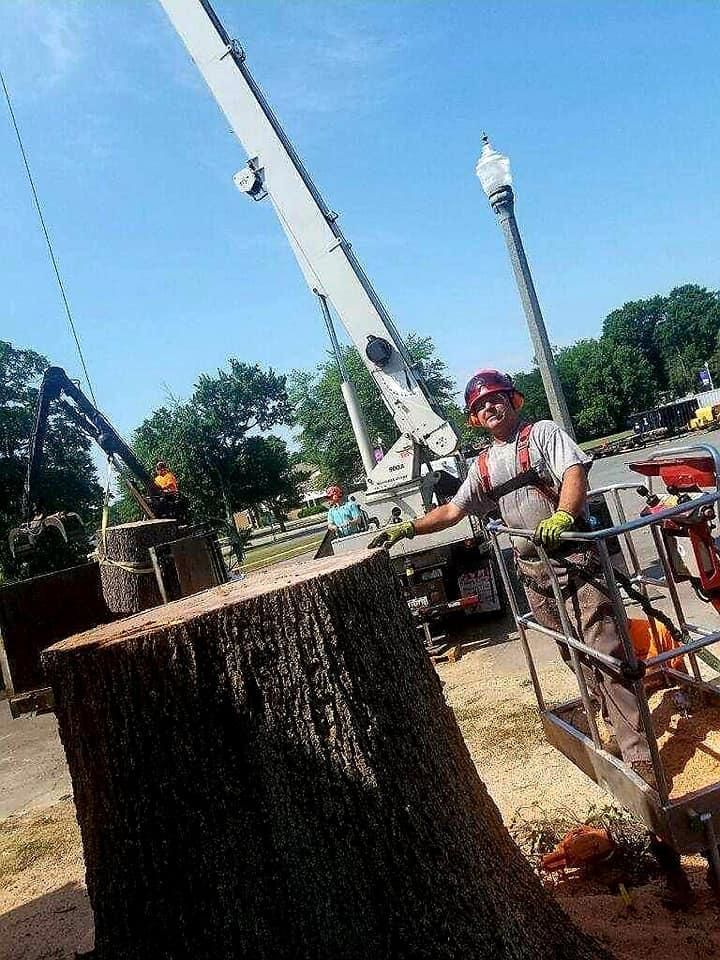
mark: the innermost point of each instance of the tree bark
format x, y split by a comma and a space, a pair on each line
269, 770
128, 580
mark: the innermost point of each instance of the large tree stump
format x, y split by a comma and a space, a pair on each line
128, 579
268, 770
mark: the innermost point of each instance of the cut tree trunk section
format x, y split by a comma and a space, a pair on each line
128, 579
269, 770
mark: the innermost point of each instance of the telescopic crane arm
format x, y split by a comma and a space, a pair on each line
329, 265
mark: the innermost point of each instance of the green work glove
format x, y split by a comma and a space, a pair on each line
548, 531
390, 535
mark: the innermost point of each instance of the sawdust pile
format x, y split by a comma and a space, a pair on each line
497, 713
687, 728
44, 910
689, 741
534, 785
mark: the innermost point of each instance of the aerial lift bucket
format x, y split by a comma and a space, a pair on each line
26, 538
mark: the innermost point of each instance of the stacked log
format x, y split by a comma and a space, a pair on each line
128, 579
268, 770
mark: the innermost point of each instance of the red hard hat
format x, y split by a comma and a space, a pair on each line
333, 491
485, 382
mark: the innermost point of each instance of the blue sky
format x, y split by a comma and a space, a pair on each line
607, 110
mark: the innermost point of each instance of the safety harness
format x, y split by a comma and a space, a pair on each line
590, 571
526, 476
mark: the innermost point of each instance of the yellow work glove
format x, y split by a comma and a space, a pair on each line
548, 531
390, 535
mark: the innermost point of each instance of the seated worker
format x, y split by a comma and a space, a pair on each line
537, 476
164, 479
344, 516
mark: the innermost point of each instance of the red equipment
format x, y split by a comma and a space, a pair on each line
683, 476
582, 847
680, 474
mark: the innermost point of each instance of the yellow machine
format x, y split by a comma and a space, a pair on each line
705, 417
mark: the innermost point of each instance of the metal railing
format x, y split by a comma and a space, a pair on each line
630, 668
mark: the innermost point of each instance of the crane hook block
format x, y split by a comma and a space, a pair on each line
378, 350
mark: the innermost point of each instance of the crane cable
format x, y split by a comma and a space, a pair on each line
56, 268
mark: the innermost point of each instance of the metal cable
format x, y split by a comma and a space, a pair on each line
47, 239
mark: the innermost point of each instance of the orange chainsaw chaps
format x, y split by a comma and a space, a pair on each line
650, 640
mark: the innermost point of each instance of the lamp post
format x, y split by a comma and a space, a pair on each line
493, 171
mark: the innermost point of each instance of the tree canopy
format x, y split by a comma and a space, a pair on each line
211, 442
68, 480
325, 432
649, 351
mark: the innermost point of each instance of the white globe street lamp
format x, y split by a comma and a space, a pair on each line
493, 171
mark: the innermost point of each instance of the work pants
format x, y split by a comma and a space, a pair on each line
590, 614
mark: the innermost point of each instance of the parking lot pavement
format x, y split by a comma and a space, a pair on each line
33, 772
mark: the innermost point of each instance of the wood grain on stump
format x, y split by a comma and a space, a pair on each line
128, 580
269, 770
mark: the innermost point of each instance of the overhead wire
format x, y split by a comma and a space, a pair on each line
53, 259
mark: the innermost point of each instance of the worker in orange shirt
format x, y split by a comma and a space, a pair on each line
165, 480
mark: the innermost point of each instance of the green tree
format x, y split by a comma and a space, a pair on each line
325, 432
648, 348
689, 336
68, 480
212, 443
531, 386
611, 385
635, 325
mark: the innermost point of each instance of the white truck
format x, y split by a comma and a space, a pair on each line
440, 572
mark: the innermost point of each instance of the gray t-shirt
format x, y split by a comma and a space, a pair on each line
551, 451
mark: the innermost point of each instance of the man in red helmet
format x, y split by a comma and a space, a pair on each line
344, 516
537, 476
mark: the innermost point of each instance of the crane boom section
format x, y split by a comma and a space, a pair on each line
325, 256
92, 422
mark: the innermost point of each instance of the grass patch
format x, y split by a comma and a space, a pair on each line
587, 444
269, 553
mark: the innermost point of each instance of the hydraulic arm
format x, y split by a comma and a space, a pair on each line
58, 388
55, 384
331, 268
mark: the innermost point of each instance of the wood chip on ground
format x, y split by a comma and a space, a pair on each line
689, 744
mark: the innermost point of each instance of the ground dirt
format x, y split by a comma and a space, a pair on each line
45, 913
541, 795
44, 909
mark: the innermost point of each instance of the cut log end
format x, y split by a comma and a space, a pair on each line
128, 579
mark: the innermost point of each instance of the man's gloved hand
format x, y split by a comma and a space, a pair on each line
390, 535
548, 531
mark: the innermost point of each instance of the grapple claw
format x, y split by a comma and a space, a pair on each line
25, 539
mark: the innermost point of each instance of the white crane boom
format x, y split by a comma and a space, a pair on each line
325, 257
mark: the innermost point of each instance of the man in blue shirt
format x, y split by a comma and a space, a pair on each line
344, 516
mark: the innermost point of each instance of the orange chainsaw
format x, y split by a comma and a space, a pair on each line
583, 847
